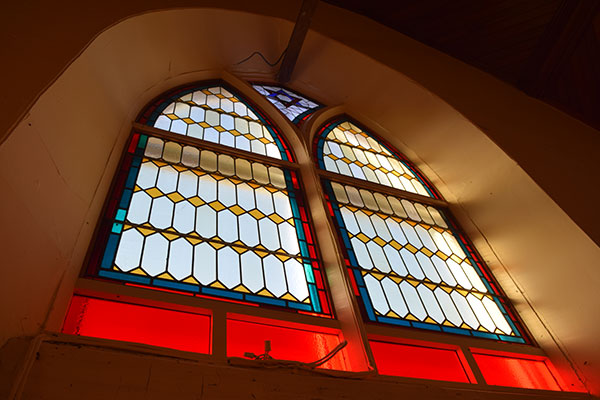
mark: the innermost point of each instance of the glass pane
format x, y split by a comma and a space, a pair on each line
293, 105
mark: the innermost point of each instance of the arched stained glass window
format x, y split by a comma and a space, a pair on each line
294, 106
346, 149
190, 216
408, 262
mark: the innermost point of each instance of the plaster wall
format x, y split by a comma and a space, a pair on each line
57, 164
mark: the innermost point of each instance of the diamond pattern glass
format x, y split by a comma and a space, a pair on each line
346, 149
410, 268
216, 115
294, 106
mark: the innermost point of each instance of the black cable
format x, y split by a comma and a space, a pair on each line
263, 57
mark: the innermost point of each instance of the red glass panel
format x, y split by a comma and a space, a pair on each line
140, 324
287, 343
504, 370
416, 361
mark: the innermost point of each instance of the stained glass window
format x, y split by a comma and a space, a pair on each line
206, 222
408, 262
293, 105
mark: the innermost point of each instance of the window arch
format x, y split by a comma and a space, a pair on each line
207, 202
407, 260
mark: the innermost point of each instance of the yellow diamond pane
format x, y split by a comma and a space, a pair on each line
216, 115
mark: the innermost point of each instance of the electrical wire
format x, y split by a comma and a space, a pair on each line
263, 57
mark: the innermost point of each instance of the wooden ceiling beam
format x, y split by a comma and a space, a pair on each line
296, 40
555, 47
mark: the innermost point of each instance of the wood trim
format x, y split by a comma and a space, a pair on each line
359, 183
219, 148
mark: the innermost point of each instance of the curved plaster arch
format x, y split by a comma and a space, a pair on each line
67, 148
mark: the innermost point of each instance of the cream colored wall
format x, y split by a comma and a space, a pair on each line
57, 164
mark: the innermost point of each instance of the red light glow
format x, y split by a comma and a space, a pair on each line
140, 324
287, 343
516, 371
416, 361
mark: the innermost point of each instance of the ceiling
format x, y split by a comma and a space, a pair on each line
550, 49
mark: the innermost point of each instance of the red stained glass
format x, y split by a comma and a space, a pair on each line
514, 370
417, 361
140, 324
287, 343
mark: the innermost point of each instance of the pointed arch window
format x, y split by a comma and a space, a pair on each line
407, 260
208, 202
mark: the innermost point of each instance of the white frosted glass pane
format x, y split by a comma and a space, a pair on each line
395, 182
228, 270
465, 310
162, 213
227, 226
408, 184
197, 114
243, 169
412, 300
184, 217
227, 139
453, 243
248, 230
255, 129
205, 267
273, 151
163, 122
347, 151
296, 280
289, 240
188, 184
274, 276
343, 168
443, 270
473, 277
154, 260
207, 188
264, 201
411, 264
211, 135
426, 238
428, 268
130, 250
410, 233
365, 224
496, 315
227, 121
372, 159
252, 276
395, 260
330, 164
394, 297
212, 118
335, 149
376, 294
241, 125
245, 196
167, 179
199, 97
182, 110
242, 143
384, 161
357, 172
269, 236
213, 101
440, 242
423, 213
206, 221
397, 206
139, 209
382, 178
178, 126
431, 305
396, 232
370, 175
195, 131
481, 313
362, 255
349, 221
381, 228
180, 259
448, 306
147, 176
226, 193
258, 147
378, 257
459, 274
282, 205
